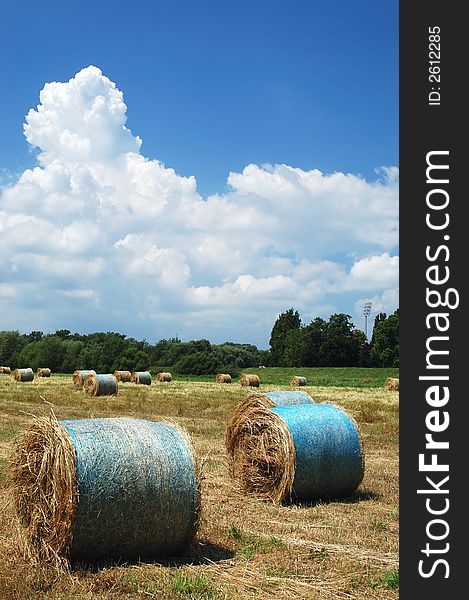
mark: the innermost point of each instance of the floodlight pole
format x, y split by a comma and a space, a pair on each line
366, 311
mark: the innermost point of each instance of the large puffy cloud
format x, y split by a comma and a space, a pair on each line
97, 236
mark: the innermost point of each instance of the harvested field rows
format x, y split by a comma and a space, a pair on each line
245, 548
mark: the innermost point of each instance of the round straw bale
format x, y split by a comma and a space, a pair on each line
164, 376
5, 371
143, 377
123, 376
300, 452
23, 374
105, 488
79, 376
298, 380
100, 385
261, 400
223, 378
43, 372
250, 380
391, 384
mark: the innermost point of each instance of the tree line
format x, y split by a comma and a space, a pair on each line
333, 343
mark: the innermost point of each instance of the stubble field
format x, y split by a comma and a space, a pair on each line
245, 547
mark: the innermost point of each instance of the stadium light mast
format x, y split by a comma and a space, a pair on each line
366, 312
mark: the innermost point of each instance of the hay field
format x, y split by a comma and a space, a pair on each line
245, 548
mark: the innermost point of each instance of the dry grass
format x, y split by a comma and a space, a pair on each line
246, 548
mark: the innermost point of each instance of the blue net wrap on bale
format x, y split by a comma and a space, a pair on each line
288, 398
295, 452
142, 377
329, 455
79, 376
100, 385
122, 488
23, 374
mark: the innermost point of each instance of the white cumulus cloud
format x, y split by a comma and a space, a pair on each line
98, 236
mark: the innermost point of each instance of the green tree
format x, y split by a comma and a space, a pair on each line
71, 360
265, 358
35, 336
238, 355
198, 363
385, 341
51, 350
314, 335
28, 356
364, 357
285, 322
63, 334
340, 347
293, 355
11, 343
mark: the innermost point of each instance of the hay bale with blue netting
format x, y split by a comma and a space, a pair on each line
100, 384
141, 377
80, 375
262, 400
115, 488
298, 380
298, 452
269, 400
23, 374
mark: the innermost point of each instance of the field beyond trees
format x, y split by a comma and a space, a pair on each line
245, 548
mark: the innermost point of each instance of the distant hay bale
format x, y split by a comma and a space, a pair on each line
5, 371
100, 385
223, 378
250, 380
296, 452
94, 489
391, 384
141, 377
43, 372
123, 376
23, 374
298, 380
164, 376
79, 377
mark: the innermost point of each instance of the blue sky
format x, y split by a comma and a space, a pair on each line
221, 94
